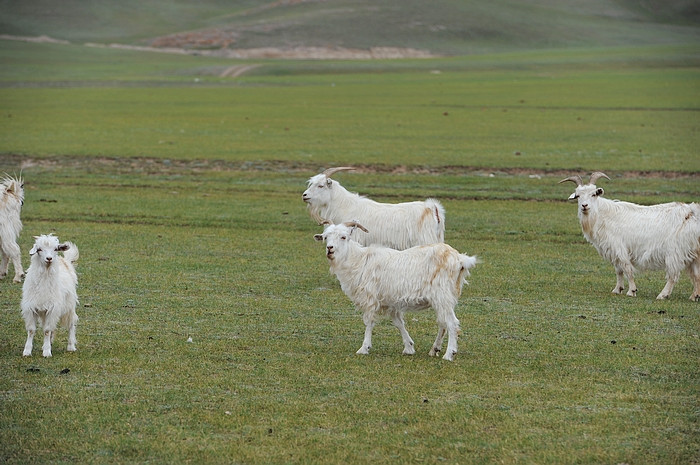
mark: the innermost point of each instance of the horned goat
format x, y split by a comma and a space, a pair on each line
49, 292
384, 281
398, 226
11, 201
631, 236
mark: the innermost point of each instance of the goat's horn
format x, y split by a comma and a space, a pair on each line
325, 223
577, 179
597, 175
331, 171
355, 224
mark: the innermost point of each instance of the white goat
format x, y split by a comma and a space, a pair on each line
11, 201
398, 226
380, 280
48, 294
656, 237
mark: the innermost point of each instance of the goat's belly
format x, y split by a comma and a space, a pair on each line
408, 306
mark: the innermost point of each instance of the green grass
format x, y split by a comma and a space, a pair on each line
568, 113
552, 368
184, 199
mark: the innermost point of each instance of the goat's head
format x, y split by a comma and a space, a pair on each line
586, 194
318, 190
12, 186
337, 237
46, 248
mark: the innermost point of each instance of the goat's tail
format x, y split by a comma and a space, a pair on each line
468, 262
71, 254
438, 212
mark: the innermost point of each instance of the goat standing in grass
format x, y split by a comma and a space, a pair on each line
395, 225
49, 292
631, 236
383, 281
11, 201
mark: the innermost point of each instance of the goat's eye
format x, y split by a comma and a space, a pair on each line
343, 237
38, 250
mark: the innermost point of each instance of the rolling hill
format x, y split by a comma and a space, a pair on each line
440, 27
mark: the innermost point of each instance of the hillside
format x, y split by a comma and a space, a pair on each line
441, 27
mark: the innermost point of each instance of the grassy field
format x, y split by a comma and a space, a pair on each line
184, 198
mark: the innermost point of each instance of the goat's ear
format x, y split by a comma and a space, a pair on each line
329, 182
318, 237
63, 247
599, 191
573, 196
33, 250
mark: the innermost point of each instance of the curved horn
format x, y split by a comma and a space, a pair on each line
325, 223
577, 179
596, 176
355, 224
331, 171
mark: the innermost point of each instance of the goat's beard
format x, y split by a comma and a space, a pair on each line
313, 211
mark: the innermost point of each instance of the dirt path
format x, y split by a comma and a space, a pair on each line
238, 70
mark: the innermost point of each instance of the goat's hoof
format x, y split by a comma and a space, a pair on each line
695, 298
449, 356
71, 349
26, 354
434, 352
662, 296
410, 351
363, 351
632, 293
618, 290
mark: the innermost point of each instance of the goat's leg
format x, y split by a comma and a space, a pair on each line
30, 341
368, 318
694, 270
48, 338
437, 345
668, 288
620, 285
452, 334
72, 341
19, 272
4, 264
399, 322
628, 271
12, 252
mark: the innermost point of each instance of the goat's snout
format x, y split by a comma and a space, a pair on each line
305, 197
329, 251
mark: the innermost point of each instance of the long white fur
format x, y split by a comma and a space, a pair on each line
49, 292
383, 281
398, 226
11, 200
630, 236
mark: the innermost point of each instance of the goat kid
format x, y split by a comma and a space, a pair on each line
630, 236
49, 292
398, 226
11, 201
383, 281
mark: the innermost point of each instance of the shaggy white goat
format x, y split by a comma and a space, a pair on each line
383, 281
11, 200
48, 294
398, 226
656, 237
